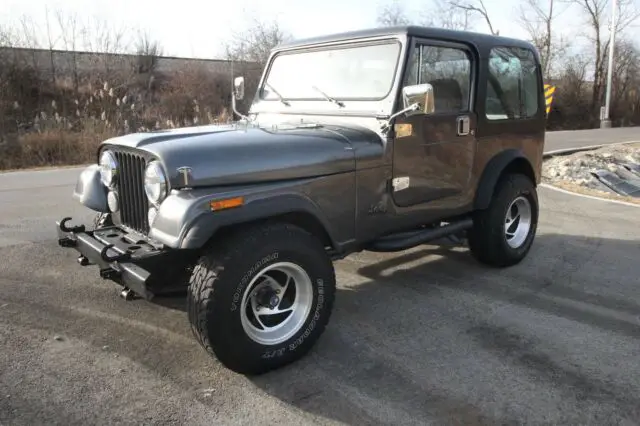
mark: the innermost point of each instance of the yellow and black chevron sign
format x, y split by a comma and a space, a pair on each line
549, 90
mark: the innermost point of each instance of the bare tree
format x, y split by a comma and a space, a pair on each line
51, 44
538, 17
444, 14
438, 13
100, 37
70, 34
6, 37
255, 44
392, 14
107, 42
25, 36
598, 21
626, 81
249, 51
148, 51
475, 7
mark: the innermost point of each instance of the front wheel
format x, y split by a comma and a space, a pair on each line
503, 233
263, 298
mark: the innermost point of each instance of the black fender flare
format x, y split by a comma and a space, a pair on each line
204, 227
494, 169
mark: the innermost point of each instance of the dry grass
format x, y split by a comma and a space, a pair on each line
45, 123
53, 148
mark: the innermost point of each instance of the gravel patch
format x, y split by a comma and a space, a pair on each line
575, 172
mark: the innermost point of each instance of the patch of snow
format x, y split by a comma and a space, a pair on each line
577, 168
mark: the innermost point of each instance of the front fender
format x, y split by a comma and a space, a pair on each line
185, 219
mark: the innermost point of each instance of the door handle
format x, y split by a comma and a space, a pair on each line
464, 125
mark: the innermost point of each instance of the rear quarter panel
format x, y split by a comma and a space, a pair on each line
493, 137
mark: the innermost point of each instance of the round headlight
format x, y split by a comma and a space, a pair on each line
108, 168
155, 182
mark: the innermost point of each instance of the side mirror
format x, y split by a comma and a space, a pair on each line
421, 94
238, 88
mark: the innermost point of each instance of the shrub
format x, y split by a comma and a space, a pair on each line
49, 121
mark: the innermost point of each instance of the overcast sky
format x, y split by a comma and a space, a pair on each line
196, 28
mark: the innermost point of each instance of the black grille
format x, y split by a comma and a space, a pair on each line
134, 204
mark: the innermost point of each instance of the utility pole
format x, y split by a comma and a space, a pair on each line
605, 120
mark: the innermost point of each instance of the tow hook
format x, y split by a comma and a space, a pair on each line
74, 229
127, 294
117, 258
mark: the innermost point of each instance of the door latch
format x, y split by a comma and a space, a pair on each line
464, 125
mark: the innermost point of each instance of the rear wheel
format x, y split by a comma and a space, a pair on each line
263, 298
503, 233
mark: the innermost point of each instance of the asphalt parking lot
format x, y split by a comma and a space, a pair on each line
426, 336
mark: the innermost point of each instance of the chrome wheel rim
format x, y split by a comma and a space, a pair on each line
517, 222
276, 303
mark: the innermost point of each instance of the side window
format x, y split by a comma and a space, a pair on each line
512, 87
448, 70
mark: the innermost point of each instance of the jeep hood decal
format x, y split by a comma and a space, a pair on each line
237, 154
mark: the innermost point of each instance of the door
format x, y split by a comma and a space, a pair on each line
433, 153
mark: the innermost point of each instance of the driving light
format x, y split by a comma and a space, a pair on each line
155, 183
151, 215
108, 168
112, 201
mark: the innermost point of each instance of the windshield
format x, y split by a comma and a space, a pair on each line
358, 72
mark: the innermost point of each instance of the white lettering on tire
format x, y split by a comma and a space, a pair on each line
243, 282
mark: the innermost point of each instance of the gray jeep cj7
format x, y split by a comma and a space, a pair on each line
377, 140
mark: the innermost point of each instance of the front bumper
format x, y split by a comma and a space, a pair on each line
123, 257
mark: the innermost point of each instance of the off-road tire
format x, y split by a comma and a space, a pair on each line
487, 240
220, 278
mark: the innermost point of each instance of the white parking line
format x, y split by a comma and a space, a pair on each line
564, 191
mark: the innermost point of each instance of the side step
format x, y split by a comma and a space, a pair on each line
406, 240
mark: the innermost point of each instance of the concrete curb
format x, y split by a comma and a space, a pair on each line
568, 151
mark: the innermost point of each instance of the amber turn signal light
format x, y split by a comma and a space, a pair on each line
229, 203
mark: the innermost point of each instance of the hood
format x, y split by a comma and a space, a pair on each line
240, 153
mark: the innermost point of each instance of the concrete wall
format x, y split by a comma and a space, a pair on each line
62, 62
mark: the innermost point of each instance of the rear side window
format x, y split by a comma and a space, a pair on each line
512, 87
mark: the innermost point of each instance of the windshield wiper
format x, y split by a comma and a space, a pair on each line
278, 95
327, 97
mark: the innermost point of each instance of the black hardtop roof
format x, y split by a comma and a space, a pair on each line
479, 39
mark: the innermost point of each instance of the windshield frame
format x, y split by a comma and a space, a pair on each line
322, 48
318, 105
